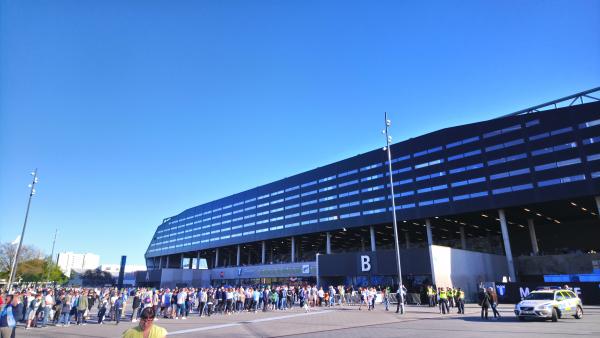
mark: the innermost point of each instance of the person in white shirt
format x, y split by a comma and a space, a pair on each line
181, 297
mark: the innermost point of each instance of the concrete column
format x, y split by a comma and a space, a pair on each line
263, 252
407, 239
181, 262
216, 257
509, 257
429, 244
373, 243
463, 238
597, 199
160, 263
237, 259
328, 243
293, 249
429, 235
534, 243
198, 261
167, 266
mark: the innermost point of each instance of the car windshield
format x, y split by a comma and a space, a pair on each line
540, 296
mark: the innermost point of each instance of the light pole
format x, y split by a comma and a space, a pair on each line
388, 139
13, 268
51, 256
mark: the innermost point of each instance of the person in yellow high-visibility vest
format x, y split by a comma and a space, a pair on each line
431, 296
460, 301
450, 294
443, 295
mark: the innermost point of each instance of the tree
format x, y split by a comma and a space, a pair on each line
97, 278
40, 270
7, 254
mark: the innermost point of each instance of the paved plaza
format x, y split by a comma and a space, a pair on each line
345, 322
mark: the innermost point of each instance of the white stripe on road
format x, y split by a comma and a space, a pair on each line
213, 327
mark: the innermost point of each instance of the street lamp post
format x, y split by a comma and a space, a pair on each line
388, 139
13, 268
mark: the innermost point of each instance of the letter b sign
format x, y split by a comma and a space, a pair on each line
365, 263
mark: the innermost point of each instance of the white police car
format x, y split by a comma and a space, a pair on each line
549, 304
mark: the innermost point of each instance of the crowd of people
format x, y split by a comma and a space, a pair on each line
37, 307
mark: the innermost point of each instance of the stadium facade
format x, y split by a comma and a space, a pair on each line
477, 202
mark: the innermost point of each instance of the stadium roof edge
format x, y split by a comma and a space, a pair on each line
574, 98
551, 104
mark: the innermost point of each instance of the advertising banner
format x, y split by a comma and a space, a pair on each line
512, 293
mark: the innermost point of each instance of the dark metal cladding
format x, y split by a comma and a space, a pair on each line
508, 161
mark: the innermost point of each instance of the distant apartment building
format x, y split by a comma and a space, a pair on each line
69, 261
114, 269
128, 275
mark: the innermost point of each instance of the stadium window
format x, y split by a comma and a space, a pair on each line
292, 197
308, 193
465, 141
308, 202
593, 157
350, 215
589, 124
369, 178
308, 184
326, 179
591, 140
375, 211
349, 204
427, 164
349, 193
327, 188
277, 193
372, 166
328, 198
345, 184
351, 172
502, 131
377, 187
561, 180
292, 188
398, 159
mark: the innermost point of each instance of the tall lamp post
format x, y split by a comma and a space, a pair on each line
13, 268
388, 139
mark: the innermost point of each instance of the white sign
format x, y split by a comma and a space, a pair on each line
365, 263
305, 268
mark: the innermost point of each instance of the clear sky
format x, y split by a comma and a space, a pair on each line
136, 110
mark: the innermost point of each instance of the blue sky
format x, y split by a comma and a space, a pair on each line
136, 110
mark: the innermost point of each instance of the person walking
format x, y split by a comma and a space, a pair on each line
135, 304
494, 302
103, 304
484, 302
9, 316
443, 295
119, 302
81, 308
460, 301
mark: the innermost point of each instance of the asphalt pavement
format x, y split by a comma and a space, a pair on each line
345, 322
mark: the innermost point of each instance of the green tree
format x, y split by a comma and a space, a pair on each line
97, 278
39, 270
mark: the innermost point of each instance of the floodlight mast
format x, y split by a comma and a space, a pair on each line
388, 139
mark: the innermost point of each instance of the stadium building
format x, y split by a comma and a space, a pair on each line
514, 198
